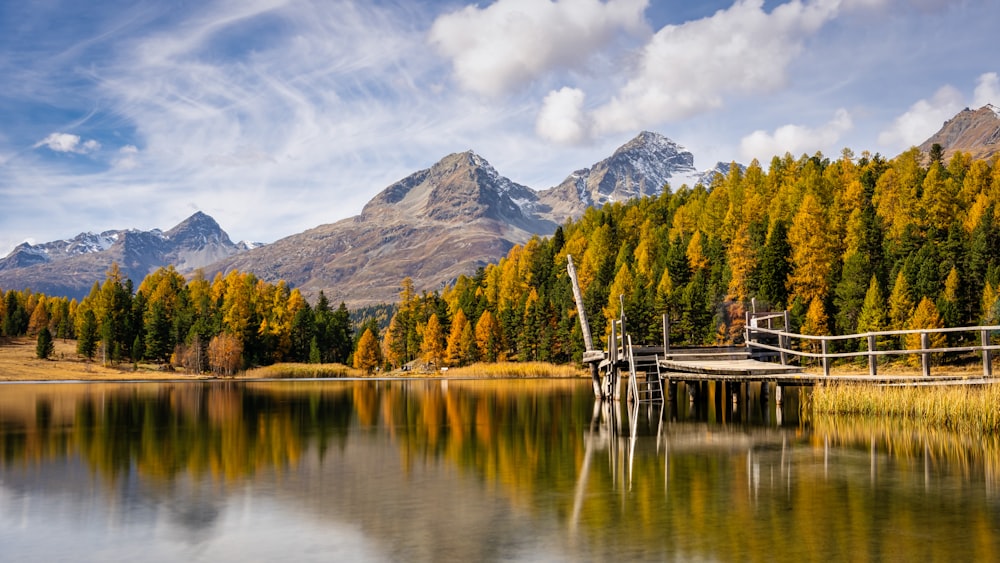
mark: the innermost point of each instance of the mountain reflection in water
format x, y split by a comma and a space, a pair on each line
472, 470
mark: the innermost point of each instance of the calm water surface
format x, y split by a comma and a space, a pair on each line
473, 471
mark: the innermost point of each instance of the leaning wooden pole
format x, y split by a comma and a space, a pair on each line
588, 340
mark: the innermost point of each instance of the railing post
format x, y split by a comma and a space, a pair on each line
826, 360
987, 356
872, 358
925, 357
781, 344
666, 335
613, 345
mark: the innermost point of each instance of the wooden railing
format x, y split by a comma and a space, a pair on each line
785, 350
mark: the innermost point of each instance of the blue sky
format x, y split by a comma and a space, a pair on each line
275, 116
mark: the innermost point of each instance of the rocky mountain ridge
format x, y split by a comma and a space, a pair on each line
433, 225
976, 132
69, 267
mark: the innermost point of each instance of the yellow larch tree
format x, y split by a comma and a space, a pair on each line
742, 261
453, 351
367, 356
488, 337
433, 344
925, 316
813, 252
900, 303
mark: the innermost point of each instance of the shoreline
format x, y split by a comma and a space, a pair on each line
18, 364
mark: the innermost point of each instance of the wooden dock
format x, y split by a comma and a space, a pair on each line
767, 357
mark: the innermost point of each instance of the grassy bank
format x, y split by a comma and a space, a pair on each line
301, 371
515, 370
19, 363
966, 408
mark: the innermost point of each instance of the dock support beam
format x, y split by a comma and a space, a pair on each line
588, 340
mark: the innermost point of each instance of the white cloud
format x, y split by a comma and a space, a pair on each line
987, 91
923, 119
796, 139
688, 69
127, 158
511, 42
67, 142
562, 119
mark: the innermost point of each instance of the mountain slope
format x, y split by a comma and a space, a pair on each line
974, 132
638, 168
432, 226
70, 267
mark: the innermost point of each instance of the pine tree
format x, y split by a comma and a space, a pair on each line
315, 357
86, 343
775, 267
851, 291
873, 316
44, 346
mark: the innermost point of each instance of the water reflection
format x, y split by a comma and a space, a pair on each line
476, 470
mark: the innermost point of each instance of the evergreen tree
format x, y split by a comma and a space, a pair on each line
775, 267
315, 356
159, 342
851, 291
86, 344
44, 346
873, 316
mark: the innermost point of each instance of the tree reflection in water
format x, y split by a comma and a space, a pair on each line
496, 469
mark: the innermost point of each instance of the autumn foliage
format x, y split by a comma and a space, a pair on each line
849, 245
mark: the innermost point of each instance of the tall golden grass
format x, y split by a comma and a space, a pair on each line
302, 371
514, 370
966, 408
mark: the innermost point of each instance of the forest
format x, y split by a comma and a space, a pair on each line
853, 245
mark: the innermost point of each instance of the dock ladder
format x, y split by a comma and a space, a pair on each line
647, 387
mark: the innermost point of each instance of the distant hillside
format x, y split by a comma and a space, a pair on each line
974, 132
70, 267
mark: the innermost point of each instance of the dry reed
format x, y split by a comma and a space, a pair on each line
301, 371
966, 408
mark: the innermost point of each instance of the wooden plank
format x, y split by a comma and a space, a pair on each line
728, 367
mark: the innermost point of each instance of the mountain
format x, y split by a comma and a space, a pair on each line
70, 267
974, 132
638, 168
438, 223
452, 218
434, 225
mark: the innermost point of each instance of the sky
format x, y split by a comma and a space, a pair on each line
275, 116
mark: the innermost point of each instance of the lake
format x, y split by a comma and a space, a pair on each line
453, 470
